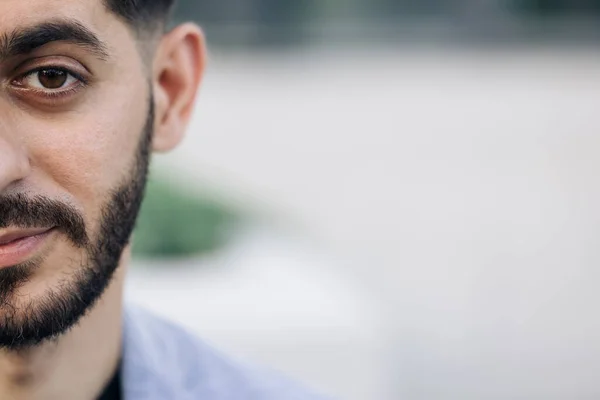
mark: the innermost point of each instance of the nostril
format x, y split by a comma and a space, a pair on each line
14, 163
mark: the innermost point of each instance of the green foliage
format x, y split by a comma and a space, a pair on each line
175, 223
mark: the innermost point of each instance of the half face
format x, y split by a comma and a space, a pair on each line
75, 123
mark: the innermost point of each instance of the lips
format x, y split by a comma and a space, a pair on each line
20, 245
20, 234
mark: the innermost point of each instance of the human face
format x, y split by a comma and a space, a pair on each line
76, 123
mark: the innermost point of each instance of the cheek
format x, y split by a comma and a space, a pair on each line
86, 155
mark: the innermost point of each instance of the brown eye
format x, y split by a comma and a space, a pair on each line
52, 78
49, 80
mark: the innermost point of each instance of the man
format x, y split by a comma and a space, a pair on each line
88, 89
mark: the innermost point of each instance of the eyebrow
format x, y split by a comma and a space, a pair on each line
25, 40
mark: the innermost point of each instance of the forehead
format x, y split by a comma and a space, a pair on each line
18, 14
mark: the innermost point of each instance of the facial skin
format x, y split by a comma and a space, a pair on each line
78, 118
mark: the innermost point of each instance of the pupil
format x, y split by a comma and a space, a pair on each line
52, 78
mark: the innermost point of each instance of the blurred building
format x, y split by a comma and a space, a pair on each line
276, 22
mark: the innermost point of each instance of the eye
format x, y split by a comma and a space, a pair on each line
49, 79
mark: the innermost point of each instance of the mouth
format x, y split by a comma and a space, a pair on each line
20, 245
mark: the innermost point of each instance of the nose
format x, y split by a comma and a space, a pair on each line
14, 162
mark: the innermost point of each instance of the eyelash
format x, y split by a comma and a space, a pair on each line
50, 93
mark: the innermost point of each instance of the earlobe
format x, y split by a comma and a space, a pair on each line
178, 69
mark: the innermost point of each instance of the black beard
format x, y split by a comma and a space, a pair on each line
57, 311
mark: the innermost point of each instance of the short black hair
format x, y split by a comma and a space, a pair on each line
142, 14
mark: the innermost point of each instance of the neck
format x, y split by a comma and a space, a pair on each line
90, 352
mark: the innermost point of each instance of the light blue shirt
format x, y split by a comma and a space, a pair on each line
163, 362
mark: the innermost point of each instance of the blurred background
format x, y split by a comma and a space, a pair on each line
389, 199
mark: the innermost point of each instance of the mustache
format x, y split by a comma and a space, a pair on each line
41, 212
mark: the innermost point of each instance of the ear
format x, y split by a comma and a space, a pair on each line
179, 64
